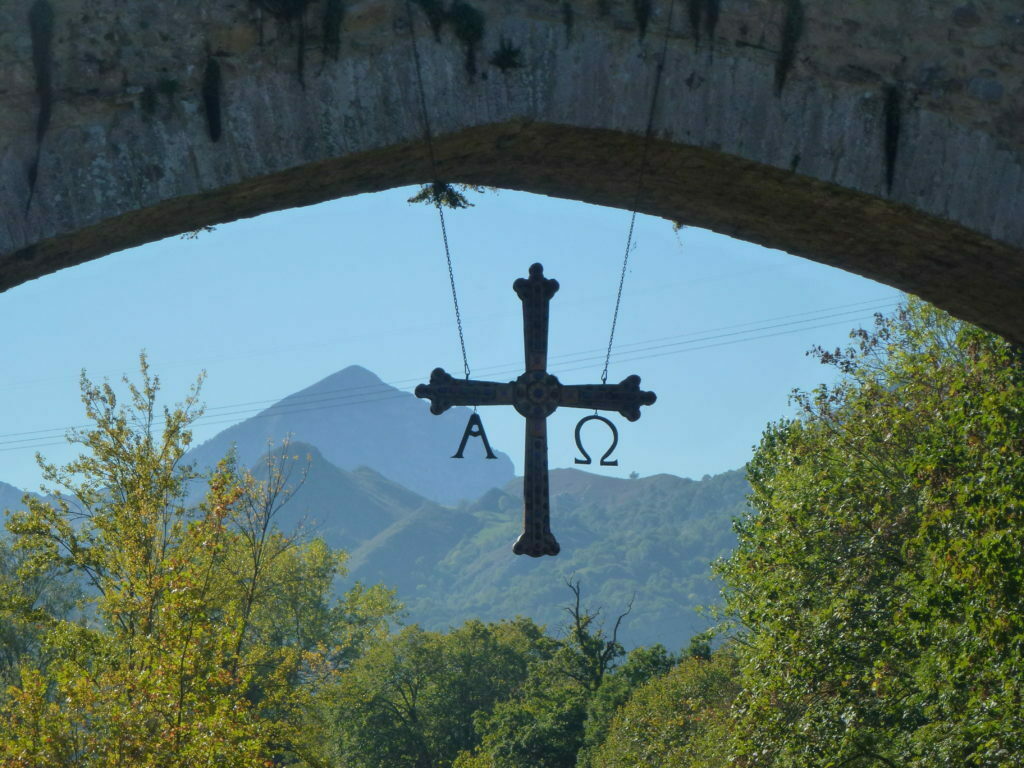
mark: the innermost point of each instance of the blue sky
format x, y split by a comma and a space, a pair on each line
266, 306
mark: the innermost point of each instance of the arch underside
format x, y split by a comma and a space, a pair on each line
966, 273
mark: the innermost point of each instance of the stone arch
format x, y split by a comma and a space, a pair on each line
885, 139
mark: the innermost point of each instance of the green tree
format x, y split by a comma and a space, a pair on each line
617, 687
411, 699
543, 725
678, 720
188, 650
878, 579
25, 604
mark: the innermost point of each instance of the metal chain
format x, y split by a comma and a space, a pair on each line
639, 187
427, 133
618, 299
455, 295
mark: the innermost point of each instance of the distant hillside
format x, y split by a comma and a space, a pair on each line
344, 508
651, 537
10, 497
356, 420
654, 538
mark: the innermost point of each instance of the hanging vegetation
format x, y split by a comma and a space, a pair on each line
507, 56
445, 195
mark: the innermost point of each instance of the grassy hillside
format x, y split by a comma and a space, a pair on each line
345, 508
648, 540
652, 538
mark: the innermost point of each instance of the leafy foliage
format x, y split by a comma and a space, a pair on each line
204, 632
483, 694
616, 689
411, 699
678, 719
548, 720
26, 601
879, 580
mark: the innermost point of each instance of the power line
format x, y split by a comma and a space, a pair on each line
360, 395
853, 308
237, 409
631, 348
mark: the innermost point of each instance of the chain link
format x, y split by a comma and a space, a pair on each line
455, 295
437, 184
639, 187
618, 298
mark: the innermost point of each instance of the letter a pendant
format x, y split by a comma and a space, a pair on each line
475, 428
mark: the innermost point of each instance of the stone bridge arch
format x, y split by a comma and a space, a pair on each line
885, 138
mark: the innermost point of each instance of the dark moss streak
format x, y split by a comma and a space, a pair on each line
212, 87
466, 21
713, 11
642, 13
792, 31
334, 15
41, 21
468, 25
703, 15
893, 125
434, 11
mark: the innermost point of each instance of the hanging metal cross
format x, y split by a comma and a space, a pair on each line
536, 394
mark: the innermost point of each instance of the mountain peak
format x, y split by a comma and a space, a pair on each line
352, 383
354, 376
353, 418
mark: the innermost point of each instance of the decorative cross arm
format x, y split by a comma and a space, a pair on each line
444, 391
535, 394
626, 397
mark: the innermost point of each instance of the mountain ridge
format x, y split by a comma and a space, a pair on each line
345, 508
645, 541
10, 497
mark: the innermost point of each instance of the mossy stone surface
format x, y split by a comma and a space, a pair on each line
884, 140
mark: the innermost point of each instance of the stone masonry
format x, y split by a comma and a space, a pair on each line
882, 137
